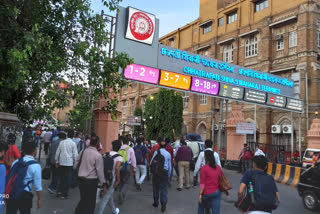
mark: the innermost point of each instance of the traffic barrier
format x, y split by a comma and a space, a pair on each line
285, 174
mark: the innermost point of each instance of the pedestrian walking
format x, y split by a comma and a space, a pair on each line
161, 170
77, 138
128, 166
52, 161
195, 147
3, 149
90, 173
208, 144
263, 191
65, 158
47, 140
183, 158
241, 161
13, 152
115, 159
24, 175
247, 158
149, 156
141, 157
210, 195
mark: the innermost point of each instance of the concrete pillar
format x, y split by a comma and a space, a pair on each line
314, 135
234, 141
106, 127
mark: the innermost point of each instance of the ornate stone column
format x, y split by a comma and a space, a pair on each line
314, 135
234, 141
106, 128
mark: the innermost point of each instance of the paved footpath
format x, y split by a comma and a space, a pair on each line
184, 202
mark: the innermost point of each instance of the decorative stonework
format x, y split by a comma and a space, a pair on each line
314, 135
235, 116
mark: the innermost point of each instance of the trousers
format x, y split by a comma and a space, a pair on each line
88, 196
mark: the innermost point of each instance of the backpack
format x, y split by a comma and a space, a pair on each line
81, 146
108, 162
157, 166
139, 155
14, 180
124, 154
247, 155
264, 192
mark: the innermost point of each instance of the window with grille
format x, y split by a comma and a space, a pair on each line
220, 21
228, 53
124, 107
293, 40
296, 86
251, 47
185, 97
232, 17
280, 45
207, 28
203, 100
260, 5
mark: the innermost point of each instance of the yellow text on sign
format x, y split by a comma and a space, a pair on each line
175, 80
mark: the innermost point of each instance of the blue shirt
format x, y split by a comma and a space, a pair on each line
2, 183
167, 159
33, 174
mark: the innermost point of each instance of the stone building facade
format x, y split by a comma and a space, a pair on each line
278, 37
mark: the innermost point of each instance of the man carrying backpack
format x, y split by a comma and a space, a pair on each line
141, 153
24, 175
91, 173
161, 171
262, 190
129, 164
112, 162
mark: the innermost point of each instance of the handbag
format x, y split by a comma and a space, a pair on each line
46, 173
243, 204
224, 184
75, 173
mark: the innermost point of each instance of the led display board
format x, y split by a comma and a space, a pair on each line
276, 100
142, 73
255, 96
174, 80
294, 104
231, 91
204, 86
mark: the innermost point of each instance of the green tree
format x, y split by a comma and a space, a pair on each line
137, 130
167, 115
45, 42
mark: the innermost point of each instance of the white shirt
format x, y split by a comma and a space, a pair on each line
201, 161
259, 152
117, 159
67, 152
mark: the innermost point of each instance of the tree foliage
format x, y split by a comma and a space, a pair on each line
167, 115
45, 42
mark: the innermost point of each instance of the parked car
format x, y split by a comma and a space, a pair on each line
309, 187
307, 157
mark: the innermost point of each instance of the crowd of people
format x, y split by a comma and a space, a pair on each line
76, 160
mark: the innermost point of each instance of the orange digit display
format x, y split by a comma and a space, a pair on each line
175, 80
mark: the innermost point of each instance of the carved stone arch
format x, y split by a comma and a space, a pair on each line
285, 120
202, 130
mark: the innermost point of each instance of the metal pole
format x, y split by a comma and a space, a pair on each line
213, 117
255, 123
292, 125
300, 138
220, 123
225, 128
307, 102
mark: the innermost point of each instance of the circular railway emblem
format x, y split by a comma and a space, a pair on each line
141, 26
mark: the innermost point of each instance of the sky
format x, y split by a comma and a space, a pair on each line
171, 13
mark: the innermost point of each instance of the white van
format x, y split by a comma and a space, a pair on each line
307, 157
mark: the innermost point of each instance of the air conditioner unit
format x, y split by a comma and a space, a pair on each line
276, 129
278, 37
216, 127
287, 129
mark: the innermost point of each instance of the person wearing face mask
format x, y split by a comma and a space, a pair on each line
3, 149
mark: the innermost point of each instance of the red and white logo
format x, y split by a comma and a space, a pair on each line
141, 26
271, 99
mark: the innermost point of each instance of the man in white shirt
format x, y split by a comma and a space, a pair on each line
201, 160
66, 155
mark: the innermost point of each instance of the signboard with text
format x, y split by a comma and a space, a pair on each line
169, 67
134, 120
245, 128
